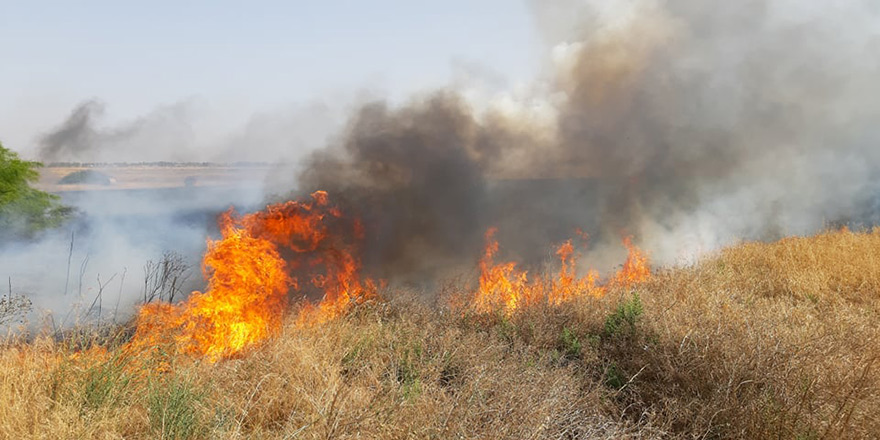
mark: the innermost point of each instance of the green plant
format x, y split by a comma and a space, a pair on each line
570, 344
614, 377
506, 329
105, 384
624, 318
408, 375
25, 210
173, 408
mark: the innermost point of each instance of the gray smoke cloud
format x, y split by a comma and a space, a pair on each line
190, 131
687, 124
75, 136
163, 134
411, 173
684, 123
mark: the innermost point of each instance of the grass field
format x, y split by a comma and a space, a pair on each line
153, 177
777, 340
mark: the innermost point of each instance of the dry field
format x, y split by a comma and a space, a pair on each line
776, 340
153, 177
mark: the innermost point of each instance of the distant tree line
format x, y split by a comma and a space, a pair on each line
163, 164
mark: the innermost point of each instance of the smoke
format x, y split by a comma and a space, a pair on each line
75, 136
119, 251
191, 131
160, 135
415, 177
687, 124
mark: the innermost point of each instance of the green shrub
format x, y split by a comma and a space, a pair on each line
25, 210
91, 177
569, 344
614, 377
624, 317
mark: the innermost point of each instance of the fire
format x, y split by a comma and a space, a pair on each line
501, 285
504, 287
259, 258
636, 268
567, 286
342, 287
310, 246
243, 303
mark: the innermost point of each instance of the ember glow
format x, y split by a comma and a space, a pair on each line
506, 288
251, 270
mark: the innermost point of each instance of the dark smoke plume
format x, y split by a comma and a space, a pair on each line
163, 134
685, 123
75, 136
413, 174
688, 124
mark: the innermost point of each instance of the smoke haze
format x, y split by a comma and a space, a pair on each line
187, 131
684, 123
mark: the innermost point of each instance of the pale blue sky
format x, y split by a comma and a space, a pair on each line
135, 56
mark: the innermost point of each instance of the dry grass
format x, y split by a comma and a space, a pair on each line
153, 177
772, 340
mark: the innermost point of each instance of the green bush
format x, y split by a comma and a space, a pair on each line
624, 317
25, 210
570, 344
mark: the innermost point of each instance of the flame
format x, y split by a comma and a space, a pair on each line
501, 284
567, 286
262, 257
342, 287
636, 268
251, 268
504, 287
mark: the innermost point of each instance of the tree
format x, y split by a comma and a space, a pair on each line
25, 210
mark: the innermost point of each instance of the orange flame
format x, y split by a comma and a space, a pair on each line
342, 287
636, 268
250, 271
566, 287
503, 287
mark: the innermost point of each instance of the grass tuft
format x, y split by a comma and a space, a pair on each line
173, 408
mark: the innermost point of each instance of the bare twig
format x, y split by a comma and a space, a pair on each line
98, 298
164, 279
119, 297
82, 272
69, 258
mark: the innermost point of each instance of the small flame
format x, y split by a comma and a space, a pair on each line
501, 284
636, 268
504, 287
567, 286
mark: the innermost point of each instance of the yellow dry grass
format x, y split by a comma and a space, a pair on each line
153, 177
775, 340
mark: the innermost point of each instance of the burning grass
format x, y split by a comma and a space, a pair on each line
249, 280
761, 340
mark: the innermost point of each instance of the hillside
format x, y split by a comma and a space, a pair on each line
776, 340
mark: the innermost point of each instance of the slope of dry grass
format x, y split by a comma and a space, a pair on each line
772, 340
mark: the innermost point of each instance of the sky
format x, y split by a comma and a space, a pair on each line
239, 58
